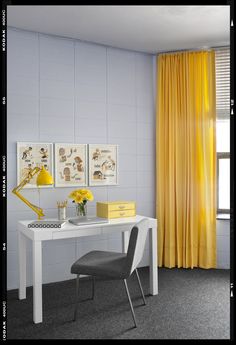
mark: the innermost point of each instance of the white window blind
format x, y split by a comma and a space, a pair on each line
222, 60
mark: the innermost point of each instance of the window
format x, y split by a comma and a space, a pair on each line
223, 167
223, 129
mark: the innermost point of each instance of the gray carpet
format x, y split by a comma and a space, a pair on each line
191, 304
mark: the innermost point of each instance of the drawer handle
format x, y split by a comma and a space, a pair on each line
122, 213
121, 206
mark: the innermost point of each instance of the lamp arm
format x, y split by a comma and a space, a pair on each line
27, 179
17, 189
35, 208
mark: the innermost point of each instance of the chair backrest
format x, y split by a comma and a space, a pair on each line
136, 245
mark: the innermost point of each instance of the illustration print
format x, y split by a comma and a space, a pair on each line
31, 155
102, 164
70, 165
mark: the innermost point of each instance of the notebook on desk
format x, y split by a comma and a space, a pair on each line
47, 224
88, 220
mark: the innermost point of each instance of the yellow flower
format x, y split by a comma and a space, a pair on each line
86, 194
83, 191
89, 195
79, 199
79, 195
73, 194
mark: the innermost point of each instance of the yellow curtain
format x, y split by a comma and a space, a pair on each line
186, 159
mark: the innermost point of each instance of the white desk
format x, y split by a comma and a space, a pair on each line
69, 230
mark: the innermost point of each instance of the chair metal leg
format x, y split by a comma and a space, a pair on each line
77, 297
130, 302
140, 286
93, 287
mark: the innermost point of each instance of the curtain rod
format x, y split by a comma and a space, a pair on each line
192, 50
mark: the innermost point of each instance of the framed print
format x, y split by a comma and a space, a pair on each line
70, 165
30, 155
103, 164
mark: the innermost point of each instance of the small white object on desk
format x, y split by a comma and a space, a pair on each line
61, 206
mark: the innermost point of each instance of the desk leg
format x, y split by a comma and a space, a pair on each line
153, 265
125, 241
22, 264
37, 282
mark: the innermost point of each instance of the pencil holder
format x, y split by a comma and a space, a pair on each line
61, 210
61, 213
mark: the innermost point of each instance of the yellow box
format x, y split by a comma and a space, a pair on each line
116, 209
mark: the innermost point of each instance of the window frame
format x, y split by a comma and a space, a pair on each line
221, 155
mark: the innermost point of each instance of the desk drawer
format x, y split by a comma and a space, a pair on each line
121, 214
121, 207
79, 232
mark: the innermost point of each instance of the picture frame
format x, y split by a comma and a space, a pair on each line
31, 154
71, 167
103, 164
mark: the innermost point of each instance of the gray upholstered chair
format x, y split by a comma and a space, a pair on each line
114, 265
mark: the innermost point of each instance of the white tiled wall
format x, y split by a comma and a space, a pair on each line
64, 90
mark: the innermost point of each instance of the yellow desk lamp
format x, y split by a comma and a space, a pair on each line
43, 178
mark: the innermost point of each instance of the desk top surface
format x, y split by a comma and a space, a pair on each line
69, 226
71, 230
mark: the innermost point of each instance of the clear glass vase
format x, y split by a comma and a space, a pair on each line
81, 210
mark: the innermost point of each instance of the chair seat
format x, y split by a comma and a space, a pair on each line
101, 263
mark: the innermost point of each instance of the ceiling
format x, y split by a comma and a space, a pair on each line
149, 29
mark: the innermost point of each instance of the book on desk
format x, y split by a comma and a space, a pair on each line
42, 224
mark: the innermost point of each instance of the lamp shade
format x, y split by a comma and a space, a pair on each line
44, 178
